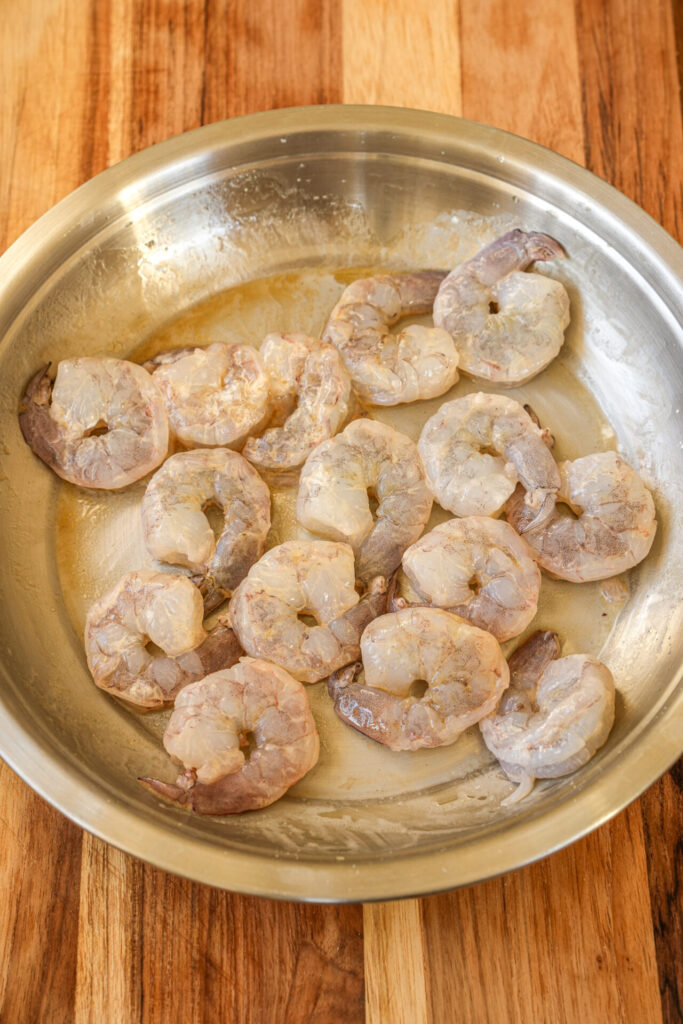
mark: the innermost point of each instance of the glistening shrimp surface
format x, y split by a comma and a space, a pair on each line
350, 767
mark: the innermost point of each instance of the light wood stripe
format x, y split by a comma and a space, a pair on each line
108, 989
400, 53
395, 978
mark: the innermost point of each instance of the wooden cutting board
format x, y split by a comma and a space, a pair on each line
87, 934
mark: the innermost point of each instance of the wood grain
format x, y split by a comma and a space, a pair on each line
155, 948
547, 943
87, 934
395, 966
520, 71
39, 866
395, 55
631, 103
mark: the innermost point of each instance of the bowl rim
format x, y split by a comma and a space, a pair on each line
76, 794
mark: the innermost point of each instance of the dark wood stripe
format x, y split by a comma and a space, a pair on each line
245, 959
662, 809
634, 139
280, 56
631, 102
96, 97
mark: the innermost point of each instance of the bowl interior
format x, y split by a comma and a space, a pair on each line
128, 259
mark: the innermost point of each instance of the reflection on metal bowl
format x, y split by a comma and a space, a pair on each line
292, 196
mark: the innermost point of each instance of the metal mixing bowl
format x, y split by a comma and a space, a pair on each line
338, 186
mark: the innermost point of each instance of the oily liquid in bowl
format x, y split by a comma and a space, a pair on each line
99, 538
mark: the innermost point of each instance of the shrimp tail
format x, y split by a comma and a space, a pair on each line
212, 595
40, 431
524, 787
531, 658
417, 291
547, 438
168, 790
342, 678
395, 603
542, 247
541, 513
348, 628
511, 252
220, 650
230, 794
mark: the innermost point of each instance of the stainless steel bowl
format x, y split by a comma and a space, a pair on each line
335, 186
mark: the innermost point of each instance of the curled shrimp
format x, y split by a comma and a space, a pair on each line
387, 369
463, 668
314, 579
480, 569
211, 725
367, 456
166, 609
176, 529
310, 389
214, 396
554, 716
101, 424
475, 449
613, 526
507, 325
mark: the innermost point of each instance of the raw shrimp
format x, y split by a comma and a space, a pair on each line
463, 668
216, 395
333, 494
480, 569
313, 578
507, 326
387, 369
176, 529
212, 723
554, 716
615, 527
102, 424
311, 388
166, 609
475, 449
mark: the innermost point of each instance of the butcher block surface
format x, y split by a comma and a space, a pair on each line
88, 934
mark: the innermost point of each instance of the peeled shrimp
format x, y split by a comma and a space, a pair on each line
333, 494
102, 424
387, 369
166, 609
480, 569
210, 726
615, 527
304, 578
553, 718
525, 332
310, 386
463, 667
216, 395
176, 529
475, 450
